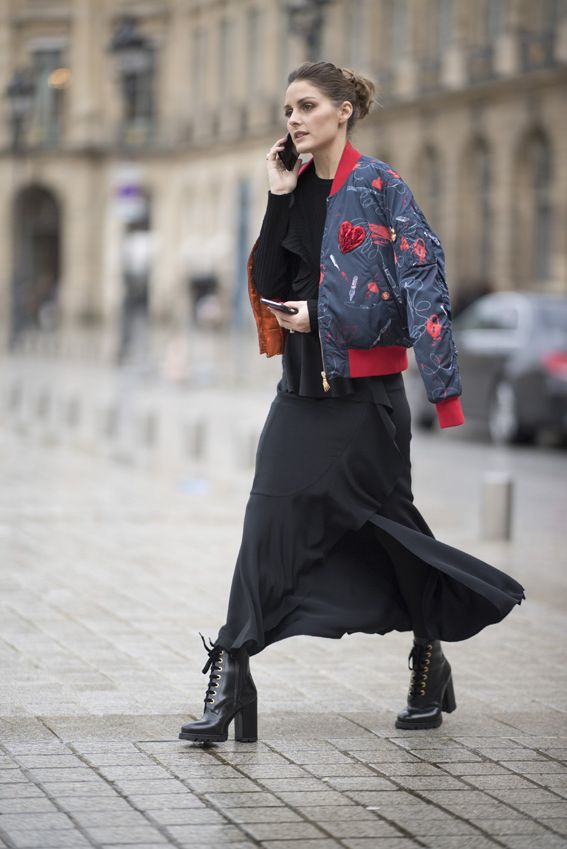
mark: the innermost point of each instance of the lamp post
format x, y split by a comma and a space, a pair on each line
132, 52
306, 18
20, 91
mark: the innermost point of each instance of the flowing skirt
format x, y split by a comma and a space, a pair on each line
330, 525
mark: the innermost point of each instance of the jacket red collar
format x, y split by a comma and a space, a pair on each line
348, 160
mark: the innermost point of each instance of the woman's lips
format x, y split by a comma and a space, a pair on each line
300, 136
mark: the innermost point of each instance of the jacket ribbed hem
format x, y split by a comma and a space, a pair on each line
384, 359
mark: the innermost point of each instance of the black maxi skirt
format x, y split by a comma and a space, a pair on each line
329, 519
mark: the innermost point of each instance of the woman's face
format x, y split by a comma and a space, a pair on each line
309, 112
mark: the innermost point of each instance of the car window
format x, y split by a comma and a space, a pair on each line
554, 314
489, 314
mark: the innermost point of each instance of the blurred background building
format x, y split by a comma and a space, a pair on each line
133, 139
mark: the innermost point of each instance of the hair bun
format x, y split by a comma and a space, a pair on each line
364, 90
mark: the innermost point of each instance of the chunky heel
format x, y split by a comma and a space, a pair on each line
246, 723
449, 704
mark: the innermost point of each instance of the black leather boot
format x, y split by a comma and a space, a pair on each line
431, 687
231, 694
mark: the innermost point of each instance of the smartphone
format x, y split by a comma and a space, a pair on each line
289, 154
276, 305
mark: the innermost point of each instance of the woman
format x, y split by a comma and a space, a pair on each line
332, 542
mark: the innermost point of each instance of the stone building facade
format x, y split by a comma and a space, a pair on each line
156, 174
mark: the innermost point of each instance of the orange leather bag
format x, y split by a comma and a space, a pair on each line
270, 334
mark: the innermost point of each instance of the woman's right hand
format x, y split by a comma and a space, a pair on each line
282, 181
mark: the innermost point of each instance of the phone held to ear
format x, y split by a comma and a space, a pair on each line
276, 305
289, 154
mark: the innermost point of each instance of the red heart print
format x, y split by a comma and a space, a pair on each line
350, 237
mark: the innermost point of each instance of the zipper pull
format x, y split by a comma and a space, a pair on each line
326, 384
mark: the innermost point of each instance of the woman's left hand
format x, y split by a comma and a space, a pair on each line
299, 322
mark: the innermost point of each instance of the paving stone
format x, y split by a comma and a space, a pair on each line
550, 841
361, 783
92, 819
285, 831
211, 834
21, 805
150, 787
270, 814
302, 843
323, 797
157, 801
189, 816
12, 776
222, 785
380, 843
47, 776
131, 834
109, 803
95, 787
456, 797
476, 768
137, 773
519, 825
464, 842
19, 790
366, 828
519, 797
290, 784
338, 770
49, 761
407, 768
34, 820
429, 782
30, 839
236, 800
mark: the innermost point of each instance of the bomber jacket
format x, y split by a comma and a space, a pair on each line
382, 286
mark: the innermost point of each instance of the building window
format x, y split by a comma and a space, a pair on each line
226, 58
430, 185
532, 245
539, 165
357, 27
46, 110
476, 225
254, 57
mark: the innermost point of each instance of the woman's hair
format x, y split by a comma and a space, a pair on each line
339, 84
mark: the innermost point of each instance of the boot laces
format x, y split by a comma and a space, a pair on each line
419, 660
214, 663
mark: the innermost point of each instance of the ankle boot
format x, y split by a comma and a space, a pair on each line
231, 694
431, 687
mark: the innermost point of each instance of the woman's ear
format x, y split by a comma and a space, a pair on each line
345, 111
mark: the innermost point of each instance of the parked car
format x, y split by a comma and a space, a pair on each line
512, 349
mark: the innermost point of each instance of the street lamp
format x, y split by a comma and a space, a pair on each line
133, 54
20, 92
306, 18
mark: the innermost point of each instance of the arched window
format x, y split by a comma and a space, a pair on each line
532, 243
37, 258
475, 248
429, 185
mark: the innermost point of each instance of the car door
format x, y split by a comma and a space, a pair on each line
487, 333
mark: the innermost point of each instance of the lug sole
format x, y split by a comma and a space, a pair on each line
204, 738
408, 725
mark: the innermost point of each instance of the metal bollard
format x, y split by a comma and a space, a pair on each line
496, 506
196, 439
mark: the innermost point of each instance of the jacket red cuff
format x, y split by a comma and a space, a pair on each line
450, 412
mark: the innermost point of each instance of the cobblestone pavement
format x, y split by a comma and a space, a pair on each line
107, 574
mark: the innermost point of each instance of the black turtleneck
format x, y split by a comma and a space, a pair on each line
286, 266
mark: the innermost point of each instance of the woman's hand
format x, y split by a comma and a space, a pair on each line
297, 323
282, 181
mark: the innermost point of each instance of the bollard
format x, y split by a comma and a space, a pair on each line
496, 506
72, 411
195, 439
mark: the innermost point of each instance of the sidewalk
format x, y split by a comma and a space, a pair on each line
108, 573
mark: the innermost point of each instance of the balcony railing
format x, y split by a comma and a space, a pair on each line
537, 49
429, 75
480, 63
